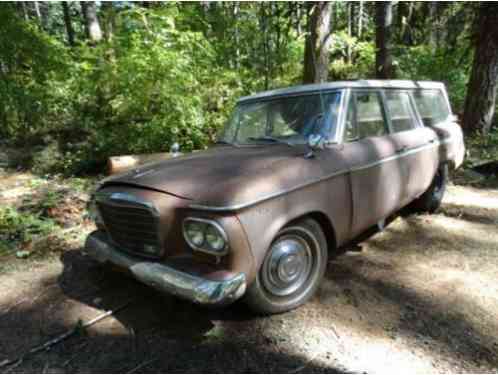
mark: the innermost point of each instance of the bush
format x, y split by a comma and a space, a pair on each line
21, 227
33, 90
148, 87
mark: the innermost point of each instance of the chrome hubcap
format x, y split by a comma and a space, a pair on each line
288, 265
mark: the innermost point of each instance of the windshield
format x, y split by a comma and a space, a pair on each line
290, 120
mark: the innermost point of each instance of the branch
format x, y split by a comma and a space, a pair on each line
47, 345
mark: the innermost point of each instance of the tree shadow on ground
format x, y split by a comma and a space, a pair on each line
473, 214
156, 333
430, 319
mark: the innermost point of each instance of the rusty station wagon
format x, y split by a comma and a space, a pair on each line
296, 174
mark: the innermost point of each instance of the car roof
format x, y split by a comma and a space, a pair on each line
327, 86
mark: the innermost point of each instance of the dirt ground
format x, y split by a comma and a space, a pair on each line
422, 296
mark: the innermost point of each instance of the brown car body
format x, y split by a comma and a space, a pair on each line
253, 191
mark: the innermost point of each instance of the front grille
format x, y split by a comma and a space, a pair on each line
132, 227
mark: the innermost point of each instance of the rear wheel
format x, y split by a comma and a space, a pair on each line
291, 270
431, 200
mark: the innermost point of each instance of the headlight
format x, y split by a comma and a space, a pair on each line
205, 235
195, 233
214, 238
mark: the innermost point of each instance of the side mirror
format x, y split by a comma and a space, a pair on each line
315, 142
174, 150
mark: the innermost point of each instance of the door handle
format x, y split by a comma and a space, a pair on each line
401, 149
432, 140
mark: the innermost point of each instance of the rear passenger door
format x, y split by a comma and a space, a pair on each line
377, 176
414, 143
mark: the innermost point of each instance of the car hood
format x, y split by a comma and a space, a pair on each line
227, 176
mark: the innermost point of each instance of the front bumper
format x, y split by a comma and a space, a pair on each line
166, 279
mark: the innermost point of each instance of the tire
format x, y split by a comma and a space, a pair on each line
292, 269
431, 199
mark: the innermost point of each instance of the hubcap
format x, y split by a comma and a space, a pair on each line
288, 265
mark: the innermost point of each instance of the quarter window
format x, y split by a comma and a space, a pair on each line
400, 111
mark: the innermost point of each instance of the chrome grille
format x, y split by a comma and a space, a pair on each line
130, 225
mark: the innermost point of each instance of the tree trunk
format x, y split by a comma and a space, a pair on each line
316, 51
384, 67
263, 20
92, 26
360, 19
24, 11
433, 22
350, 30
68, 24
406, 23
108, 21
481, 90
37, 11
236, 11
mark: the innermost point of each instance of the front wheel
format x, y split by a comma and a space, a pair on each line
291, 270
432, 198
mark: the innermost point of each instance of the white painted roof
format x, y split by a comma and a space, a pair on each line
391, 83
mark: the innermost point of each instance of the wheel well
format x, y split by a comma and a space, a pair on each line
327, 227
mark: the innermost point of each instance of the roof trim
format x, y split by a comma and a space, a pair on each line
301, 89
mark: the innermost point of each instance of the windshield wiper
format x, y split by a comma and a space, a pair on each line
270, 139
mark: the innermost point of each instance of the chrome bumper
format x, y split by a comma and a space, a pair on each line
167, 279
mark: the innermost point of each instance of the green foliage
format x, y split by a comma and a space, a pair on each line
32, 66
172, 72
425, 62
362, 60
21, 227
149, 86
481, 149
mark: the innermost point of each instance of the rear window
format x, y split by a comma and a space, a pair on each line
432, 106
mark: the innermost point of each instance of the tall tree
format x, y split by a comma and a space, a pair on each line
37, 11
67, 23
92, 25
316, 50
360, 19
384, 67
481, 89
108, 18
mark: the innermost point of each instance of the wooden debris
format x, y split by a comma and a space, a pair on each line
142, 365
120, 164
50, 343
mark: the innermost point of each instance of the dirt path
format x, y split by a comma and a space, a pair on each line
421, 297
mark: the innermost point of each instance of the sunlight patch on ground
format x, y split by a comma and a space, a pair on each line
487, 199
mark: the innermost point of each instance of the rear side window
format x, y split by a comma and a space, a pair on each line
432, 106
400, 110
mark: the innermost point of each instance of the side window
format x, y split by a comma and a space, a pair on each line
370, 121
432, 106
400, 111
